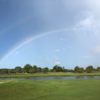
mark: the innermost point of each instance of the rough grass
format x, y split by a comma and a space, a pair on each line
49, 74
50, 90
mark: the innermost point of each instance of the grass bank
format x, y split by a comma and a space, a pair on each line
50, 90
49, 74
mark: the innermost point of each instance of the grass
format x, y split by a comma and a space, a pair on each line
50, 74
50, 90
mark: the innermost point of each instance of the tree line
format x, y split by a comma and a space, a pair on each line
57, 68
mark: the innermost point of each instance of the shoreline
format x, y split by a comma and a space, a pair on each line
47, 74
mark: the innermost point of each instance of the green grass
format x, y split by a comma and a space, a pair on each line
49, 74
50, 90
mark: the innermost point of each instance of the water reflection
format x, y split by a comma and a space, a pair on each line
54, 77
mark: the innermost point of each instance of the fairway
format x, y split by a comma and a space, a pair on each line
50, 90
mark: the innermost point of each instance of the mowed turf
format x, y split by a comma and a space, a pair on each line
50, 90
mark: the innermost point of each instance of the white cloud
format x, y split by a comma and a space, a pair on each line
94, 5
96, 50
57, 62
86, 56
86, 23
59, 14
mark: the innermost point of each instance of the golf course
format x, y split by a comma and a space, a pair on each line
50, 89
49, 49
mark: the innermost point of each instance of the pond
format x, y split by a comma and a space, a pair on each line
54, 77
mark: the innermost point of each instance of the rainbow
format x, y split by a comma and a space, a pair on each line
30, 39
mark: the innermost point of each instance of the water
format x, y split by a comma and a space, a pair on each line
55, 77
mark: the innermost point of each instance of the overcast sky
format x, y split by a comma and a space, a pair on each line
49, 32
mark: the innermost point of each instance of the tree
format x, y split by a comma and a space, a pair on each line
89, 69
39, 69
3, 71
57, 68
98, 69
81, 70
18, 69
35, 69
11, 71
45, 70
27, 68
78, 69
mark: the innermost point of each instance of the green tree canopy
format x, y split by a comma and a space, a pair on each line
89, 69
27, 68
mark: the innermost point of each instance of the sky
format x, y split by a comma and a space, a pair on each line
49, 32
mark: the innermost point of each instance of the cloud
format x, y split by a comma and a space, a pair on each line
57, 61
86, 56
81, 16
94, 6
96, 50
48, 15
59, 14
86, 23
